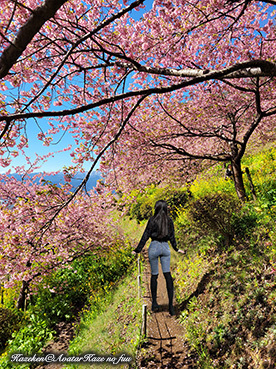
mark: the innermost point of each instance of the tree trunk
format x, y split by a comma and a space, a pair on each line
238, 179
22, 296
252, 187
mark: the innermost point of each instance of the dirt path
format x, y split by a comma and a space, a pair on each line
165, 347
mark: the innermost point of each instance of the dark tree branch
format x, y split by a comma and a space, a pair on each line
248, 134
26, 33
183, 152
256, 66
5, 129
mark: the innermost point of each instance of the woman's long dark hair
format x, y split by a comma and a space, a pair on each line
160, 218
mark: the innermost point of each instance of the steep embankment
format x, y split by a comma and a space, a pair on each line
225, 284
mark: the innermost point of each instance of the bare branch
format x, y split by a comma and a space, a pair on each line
249, 132
182, 152
270, 2
253, 68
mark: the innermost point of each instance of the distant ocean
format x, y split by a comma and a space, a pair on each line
58, 179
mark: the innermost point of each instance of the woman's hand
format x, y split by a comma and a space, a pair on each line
181, 251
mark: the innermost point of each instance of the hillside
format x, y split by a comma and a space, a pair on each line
225, 283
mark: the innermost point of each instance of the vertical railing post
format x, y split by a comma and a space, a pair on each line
144, 307
144, 321
251, 184
2, 295
139, 276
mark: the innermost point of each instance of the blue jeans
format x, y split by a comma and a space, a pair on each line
159, 249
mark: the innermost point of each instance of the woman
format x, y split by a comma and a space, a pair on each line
160, 229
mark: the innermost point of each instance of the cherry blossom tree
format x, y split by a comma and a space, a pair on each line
214, 124
34, 240
85, 64
95, 70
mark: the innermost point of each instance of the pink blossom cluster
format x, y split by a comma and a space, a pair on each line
38, 235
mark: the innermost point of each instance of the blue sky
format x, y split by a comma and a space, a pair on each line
59, 159
54, 163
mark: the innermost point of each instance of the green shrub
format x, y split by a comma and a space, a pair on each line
268, 199
68, 290
134, 211
244, 221
214, 213
60, 297
32, 336
146, 210
30, 339
143, 207
175, 197
9, 322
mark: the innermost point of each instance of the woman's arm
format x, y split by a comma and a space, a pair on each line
146, 235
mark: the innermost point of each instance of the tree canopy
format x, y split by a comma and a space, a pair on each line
87, 65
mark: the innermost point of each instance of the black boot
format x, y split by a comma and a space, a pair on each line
153, 288
170, 290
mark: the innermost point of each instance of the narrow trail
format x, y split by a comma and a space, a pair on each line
165, 345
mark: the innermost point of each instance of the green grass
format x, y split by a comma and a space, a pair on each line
114, 328
90, 281
227, 291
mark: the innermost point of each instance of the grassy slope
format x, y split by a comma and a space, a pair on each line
228, 294
98, 279
116, 328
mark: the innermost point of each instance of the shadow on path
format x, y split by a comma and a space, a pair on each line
165, 346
